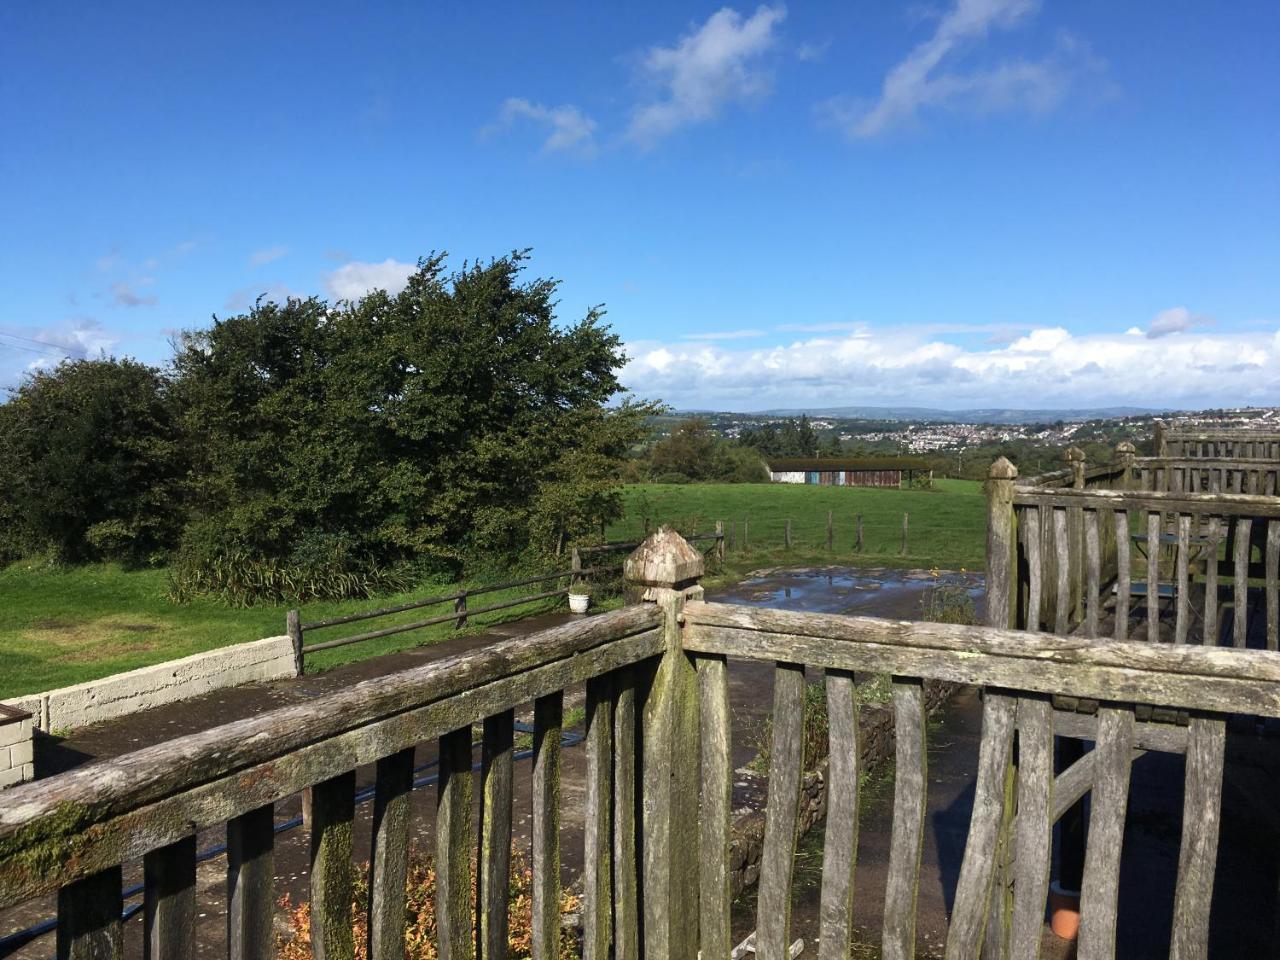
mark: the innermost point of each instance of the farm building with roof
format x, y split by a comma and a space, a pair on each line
847, 472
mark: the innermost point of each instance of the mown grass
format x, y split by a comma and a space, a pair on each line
946, 525
60, 626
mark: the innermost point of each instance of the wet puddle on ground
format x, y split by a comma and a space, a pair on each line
869, 591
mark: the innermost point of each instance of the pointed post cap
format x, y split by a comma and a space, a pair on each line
1002, 469
1074, 453
665, 559
1125, 448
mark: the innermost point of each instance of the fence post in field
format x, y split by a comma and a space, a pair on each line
1000, 543
293, 627
857, 537
460, 607
668, 570
720, 540
830, 533
575, 567
904, 533
745, 522
787, 535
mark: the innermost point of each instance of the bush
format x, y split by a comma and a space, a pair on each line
671, 478
420, 909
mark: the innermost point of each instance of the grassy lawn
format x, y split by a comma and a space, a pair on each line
946, 526
65, 626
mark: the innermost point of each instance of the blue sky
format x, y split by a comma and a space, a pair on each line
975, 203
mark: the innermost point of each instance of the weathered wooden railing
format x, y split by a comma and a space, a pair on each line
1216, 442
1208, 475
658, 785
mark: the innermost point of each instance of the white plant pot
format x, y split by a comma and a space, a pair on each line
578, 602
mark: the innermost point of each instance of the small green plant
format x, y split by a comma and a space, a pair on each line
945, 602
583, 588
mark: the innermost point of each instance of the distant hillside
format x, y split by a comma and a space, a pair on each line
964, 416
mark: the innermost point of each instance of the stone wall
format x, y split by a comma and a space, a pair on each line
16, 757
875, 746
84, 704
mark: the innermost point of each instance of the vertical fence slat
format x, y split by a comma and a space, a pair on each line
494, 857
453, 847
1114, 757
1197, 858
1030, 528
89, 918
1182, 617
1273, 584
1244, 526
1093, 573
169, 900
548, 716
597, 868
840, 845
1033, 828
906, 838
978, 867
1214, 534
1124, 573
717, 788
777, 860
1062, 567
626, 906
389, 856
1153, 577
250, 878
329, 809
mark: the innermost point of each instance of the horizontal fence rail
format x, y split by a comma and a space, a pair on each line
1219, 442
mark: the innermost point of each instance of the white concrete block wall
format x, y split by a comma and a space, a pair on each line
123, 693
17, 759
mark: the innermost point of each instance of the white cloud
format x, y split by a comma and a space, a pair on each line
568, 127
1047, 366
713, 65
268, 255
1175, 320
724, 335
351, 281
922, 80
44, 348
125, 295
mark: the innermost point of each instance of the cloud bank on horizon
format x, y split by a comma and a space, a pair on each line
1169, 364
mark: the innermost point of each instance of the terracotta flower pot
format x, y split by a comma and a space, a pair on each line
1064, 912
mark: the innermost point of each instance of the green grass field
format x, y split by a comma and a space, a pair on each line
65, 626
946, 525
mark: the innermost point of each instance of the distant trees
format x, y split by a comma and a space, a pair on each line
329, 449
788, 438
693, 452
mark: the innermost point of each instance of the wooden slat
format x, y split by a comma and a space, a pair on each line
1237, 505
1062, 566
453, 847
626, 906
1093, 573
777, 859
89, 918
1154, 523
250, 880
906, 839
597, 868
548, 716
1273, 585
840, 844
713, 818
329, 809
1244, 527
1124, 586
389, 855
1214, 533
169, 900
1033, 832
1197, 858
1182, 617
494, 843
1114, 758
977, 869
1031, 528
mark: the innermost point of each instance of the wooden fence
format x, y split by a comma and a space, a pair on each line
658, 786
1216, 442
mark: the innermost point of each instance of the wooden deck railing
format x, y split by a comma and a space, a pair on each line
1216, 442
658, 785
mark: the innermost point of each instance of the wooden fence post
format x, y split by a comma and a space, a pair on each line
668, 569
1162, 443
293, 627
1000, 544
1127, 454
857, 538
745, 539
830, 533
460, 605
1075, 460
904, 533
787, 535
720, 540
575, 567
